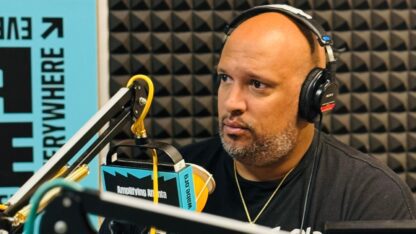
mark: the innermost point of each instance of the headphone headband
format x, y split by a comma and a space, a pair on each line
323, 39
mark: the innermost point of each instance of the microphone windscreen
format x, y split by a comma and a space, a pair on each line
204, 184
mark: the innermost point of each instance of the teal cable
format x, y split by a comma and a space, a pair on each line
37, 197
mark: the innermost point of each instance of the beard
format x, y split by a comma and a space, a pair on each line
264, 149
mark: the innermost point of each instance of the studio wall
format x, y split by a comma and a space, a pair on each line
176, 42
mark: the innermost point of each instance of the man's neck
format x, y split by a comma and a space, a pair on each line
280, 168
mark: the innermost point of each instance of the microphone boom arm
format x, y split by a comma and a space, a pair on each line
120, 106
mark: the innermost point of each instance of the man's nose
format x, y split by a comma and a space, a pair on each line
235, 101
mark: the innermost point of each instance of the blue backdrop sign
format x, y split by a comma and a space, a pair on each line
48, 83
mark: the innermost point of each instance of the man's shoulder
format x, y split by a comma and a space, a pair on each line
343, 151
368, 177
361, 166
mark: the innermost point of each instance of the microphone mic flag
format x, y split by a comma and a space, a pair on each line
187, 188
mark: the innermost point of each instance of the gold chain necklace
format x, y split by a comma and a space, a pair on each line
267, 202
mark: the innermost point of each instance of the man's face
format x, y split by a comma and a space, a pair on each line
258, 98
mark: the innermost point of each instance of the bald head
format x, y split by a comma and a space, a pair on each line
280, 32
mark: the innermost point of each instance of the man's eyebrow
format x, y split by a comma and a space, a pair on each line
220, 70
256, 76
262, 78
251, 75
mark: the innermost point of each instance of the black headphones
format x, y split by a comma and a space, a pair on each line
319, 89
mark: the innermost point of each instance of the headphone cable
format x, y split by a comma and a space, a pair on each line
315, 164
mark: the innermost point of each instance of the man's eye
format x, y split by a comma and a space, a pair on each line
222, 77
257, 84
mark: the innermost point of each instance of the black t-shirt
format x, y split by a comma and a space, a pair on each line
349, 185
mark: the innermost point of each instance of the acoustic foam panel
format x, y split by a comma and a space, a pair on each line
176, 42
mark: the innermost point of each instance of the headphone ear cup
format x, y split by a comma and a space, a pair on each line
307, 99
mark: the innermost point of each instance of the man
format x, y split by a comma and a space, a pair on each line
264, 156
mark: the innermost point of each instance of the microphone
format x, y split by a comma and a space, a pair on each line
177, 183
180, 184
204, 184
